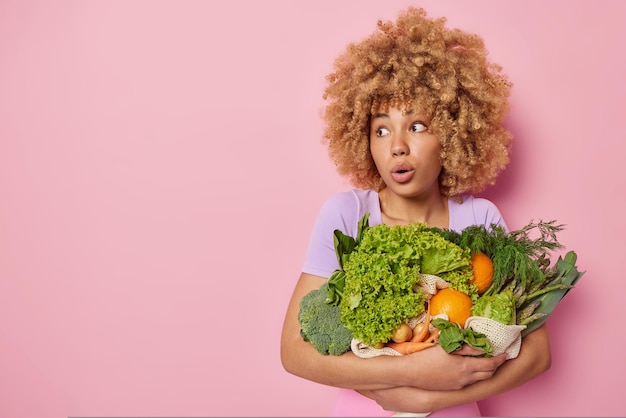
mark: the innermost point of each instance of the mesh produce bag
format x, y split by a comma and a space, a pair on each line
503, 338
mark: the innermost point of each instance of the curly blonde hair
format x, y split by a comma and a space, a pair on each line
417, 63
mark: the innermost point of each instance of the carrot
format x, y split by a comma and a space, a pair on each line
433, 337
409, 347
423, 333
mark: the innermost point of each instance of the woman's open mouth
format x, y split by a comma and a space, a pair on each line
402, 174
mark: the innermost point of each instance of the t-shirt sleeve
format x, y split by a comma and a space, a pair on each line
475, 211
338, 212
487, 213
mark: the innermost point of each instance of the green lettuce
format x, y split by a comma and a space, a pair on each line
440, 255
381, 274
499, 307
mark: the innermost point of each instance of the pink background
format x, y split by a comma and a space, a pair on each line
161, 168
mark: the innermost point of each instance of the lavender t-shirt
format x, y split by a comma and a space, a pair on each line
344, 210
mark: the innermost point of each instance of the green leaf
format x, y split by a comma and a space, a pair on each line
452, 337
437, 259
344, 244
362, 227
567, 275
336, 283
478, 341
354, 301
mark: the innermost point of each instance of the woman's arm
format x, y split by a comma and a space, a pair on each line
432, 369
534, 359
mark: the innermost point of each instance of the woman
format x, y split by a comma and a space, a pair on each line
415, 121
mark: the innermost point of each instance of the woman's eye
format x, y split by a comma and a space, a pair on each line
418, 127
382, 131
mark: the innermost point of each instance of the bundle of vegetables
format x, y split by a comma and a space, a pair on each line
525, 288
379, 290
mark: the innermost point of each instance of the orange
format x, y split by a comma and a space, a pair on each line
482, 267
457, 305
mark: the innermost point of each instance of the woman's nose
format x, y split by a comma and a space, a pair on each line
399, 146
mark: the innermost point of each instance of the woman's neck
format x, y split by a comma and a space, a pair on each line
398, 210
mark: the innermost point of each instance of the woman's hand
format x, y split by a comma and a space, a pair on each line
402, 398
457, 370
450, 371
533, 359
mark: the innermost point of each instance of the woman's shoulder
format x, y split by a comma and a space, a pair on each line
343, 210
353, 197
352, 204
473, 210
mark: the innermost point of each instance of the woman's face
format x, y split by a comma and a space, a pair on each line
406, 154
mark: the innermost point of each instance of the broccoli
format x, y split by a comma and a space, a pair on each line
321, 323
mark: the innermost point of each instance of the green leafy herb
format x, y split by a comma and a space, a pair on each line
452, 337
344, 245
336, 283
